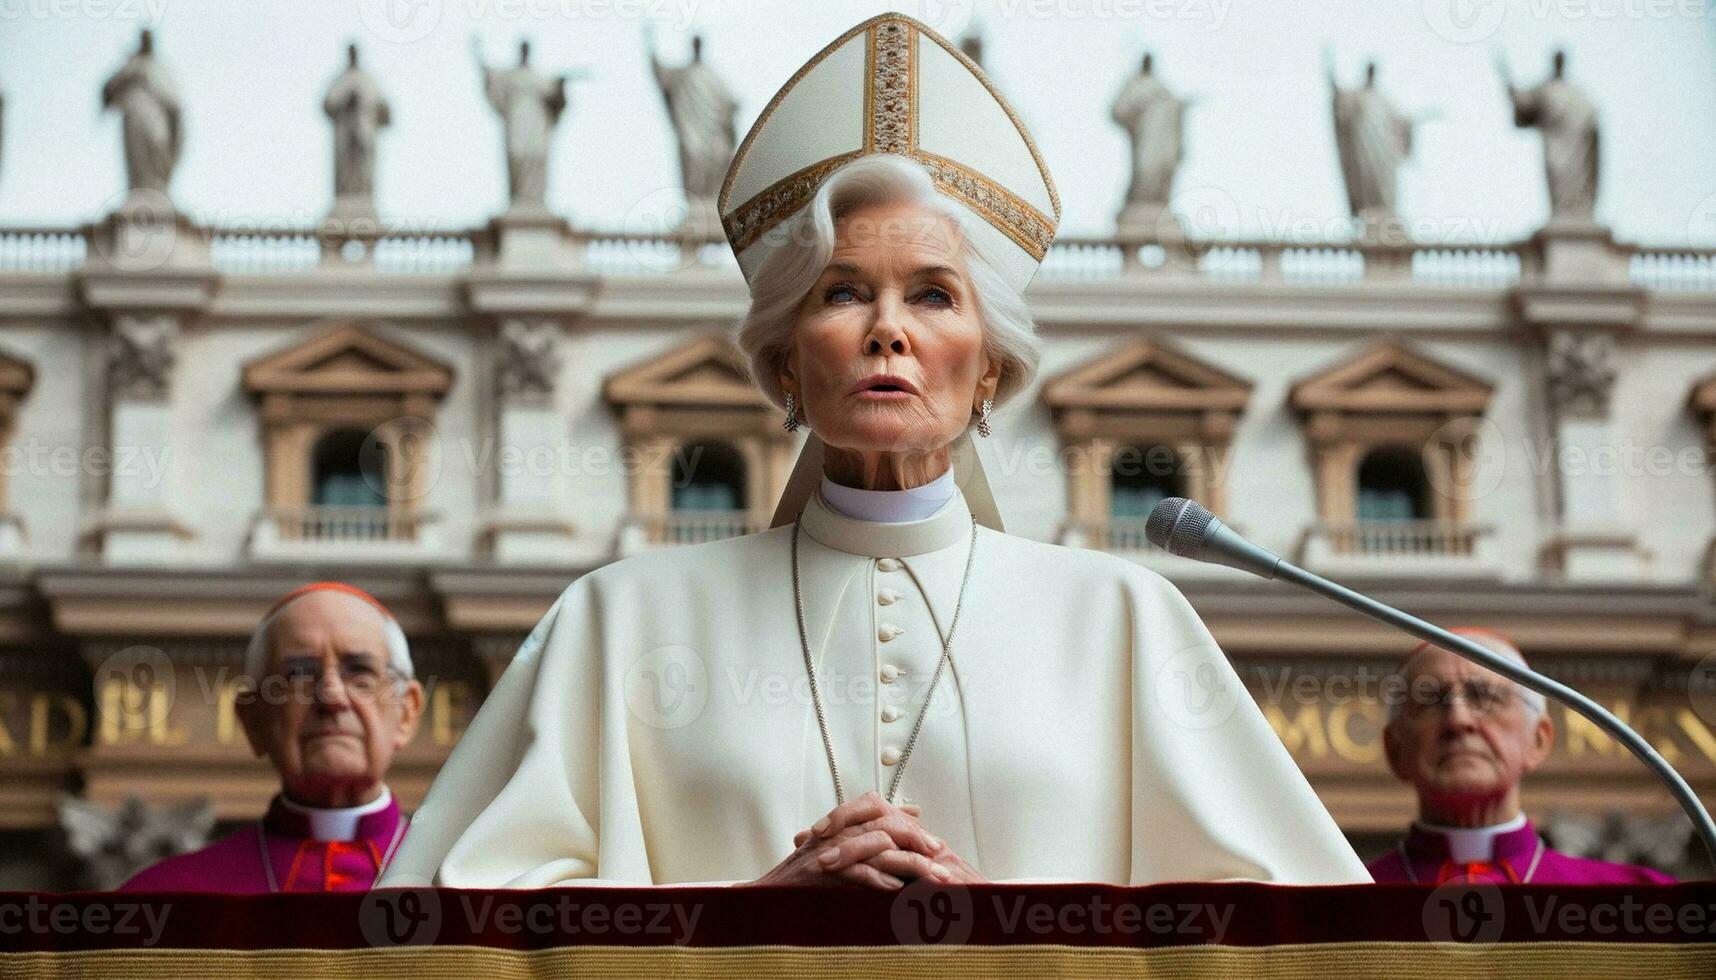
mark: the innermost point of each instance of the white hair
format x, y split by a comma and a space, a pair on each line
1400, 683
788, 272
398, 650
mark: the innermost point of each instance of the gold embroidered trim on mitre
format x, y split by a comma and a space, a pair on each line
891, 103
891, 126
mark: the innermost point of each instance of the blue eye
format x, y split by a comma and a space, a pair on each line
839, 288
940, 291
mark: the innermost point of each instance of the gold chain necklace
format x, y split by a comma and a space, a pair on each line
810, 668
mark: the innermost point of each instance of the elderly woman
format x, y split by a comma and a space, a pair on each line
883, 686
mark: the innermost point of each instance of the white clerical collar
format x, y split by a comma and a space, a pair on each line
1468, 844
892, 506
948, 525
339, 822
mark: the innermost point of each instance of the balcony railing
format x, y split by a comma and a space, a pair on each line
1414, 539
1124, 536
403, 250
42, 250
360, 533
679, 527
1404, 546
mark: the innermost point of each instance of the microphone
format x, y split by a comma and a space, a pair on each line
1186, 528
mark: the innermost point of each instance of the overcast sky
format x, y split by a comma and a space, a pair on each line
1259, 139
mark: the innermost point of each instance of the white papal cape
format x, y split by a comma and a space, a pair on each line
656, 726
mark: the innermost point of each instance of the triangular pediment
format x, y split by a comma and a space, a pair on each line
1392, 377
347, 359
1147, 374
707, 370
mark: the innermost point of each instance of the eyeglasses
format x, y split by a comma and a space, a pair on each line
1481, 699
360, 679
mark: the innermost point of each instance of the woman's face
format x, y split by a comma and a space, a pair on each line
894, 300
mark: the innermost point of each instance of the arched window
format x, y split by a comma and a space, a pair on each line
708, 475
1392, 486
1140, 477
348, 469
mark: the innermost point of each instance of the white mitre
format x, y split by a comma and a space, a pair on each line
892, 85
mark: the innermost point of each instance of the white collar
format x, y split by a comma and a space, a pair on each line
1468, 844
963, 458
339, 822
948, 526
892, 506
933, 551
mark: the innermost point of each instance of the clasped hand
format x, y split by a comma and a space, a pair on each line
871, 843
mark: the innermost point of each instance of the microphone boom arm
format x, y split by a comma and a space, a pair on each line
1205, 537
1523, 676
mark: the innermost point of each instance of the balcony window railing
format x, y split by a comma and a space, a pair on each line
345, 524
358, 533
696, 526
1414, 539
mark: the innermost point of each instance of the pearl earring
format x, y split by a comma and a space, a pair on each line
791, 423
983, 417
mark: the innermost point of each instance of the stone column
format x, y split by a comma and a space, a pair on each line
1577, 301
1595, 540
529, 304
138, 524
529, 525
147, 278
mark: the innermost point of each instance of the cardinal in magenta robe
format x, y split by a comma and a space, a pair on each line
1463, 736
331, 698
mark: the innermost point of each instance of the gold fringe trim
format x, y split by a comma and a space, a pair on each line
1406, 961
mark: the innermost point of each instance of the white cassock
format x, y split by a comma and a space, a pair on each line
656, 726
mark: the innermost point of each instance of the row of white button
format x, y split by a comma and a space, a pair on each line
890, 673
